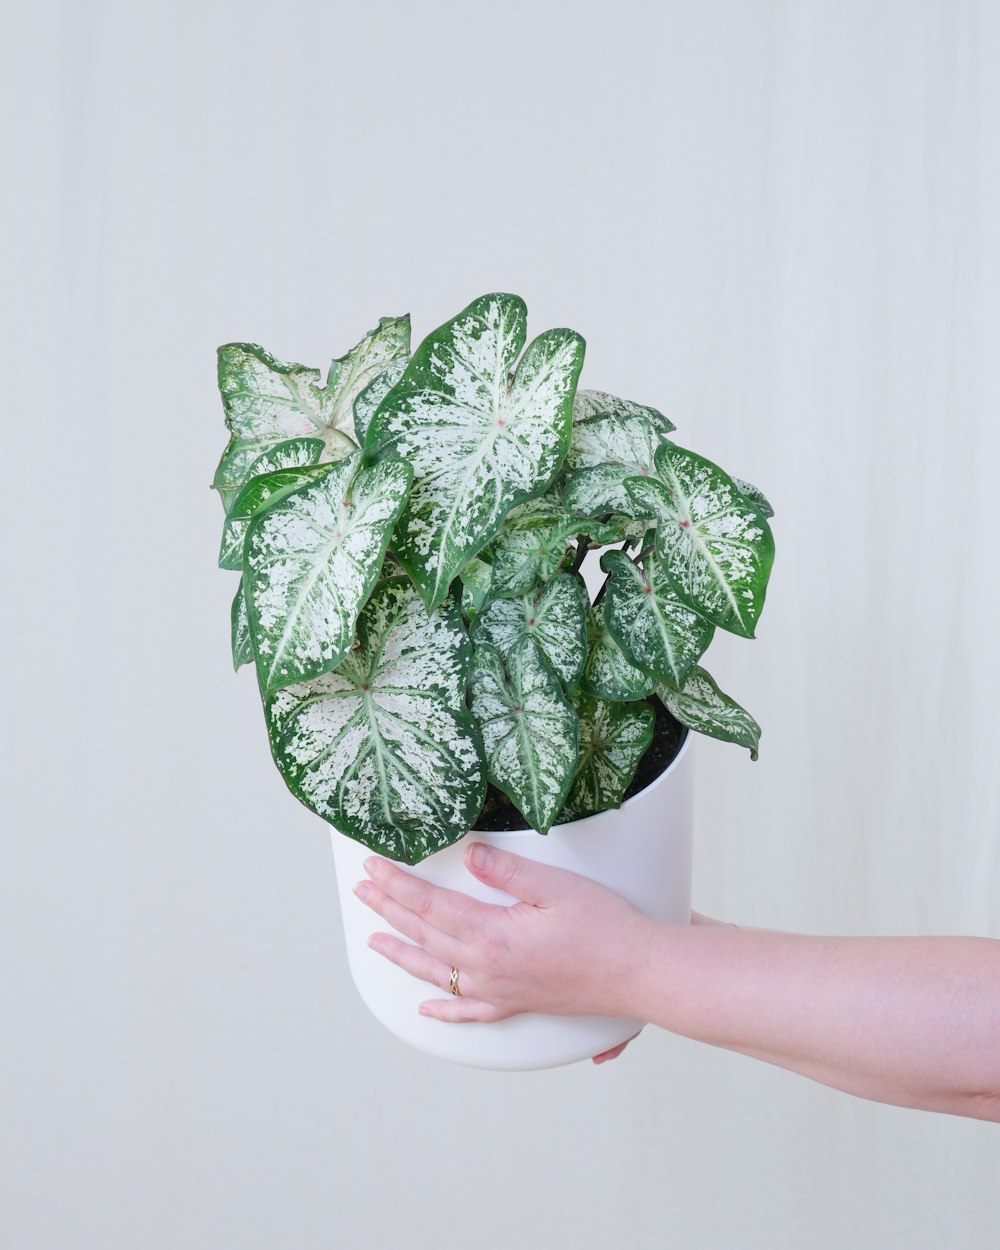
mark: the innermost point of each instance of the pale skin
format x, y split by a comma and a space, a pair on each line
912, 1021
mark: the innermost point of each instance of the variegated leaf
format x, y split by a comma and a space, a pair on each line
603, 453
539, 539
607, 673
715, 546
591, 405
755, 495
268, 401
530, 732
654, 629
240, 630
479, 441
262, 490
384, 747
555, 616
702, 706
475, 578
374, 393
310, 562
613, 739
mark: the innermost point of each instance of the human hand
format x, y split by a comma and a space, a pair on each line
568, 947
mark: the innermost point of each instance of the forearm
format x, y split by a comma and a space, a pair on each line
910, 1021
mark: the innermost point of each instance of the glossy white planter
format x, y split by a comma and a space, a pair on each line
642, 851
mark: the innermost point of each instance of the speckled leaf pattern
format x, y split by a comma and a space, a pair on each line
555, 616
262, 490
310, 562
715, 546
605, 452
268, 401
476, 578
480, 441
530, 731
702, 706
613, 739
654, 629
240, 630
755, 495
384, 747
538, 540
591, 405
374, 393
607, 673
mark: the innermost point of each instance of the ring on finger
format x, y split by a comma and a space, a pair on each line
453, 983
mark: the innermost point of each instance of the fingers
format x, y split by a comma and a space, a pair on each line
412, 959
440, 946
462, 1011
527, 880
446, 910
615, 1051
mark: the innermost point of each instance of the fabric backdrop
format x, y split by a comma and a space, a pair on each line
777, 222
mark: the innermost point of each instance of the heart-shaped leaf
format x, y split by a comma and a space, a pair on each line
310, 562
756, 497
607, 673
374, 393
240, 630
613, 739
480, 440
654, 629
555, 616
530, 731
604, 452
702, 706
538, 540
592, 405
715, 546
268, 401
261, 490
384, 747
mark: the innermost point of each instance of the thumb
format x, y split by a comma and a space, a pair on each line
527, 880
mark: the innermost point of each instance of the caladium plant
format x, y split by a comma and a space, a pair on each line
411, 535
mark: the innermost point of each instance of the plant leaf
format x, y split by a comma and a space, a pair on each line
384, 747
702, 706
613, 739
261, 491
756, 497
604, 452
475, 578
607, 674
310, 562
240, 630
654, 629
538, 539
592, 405
530, 731
373, 394
268, 401
715, 546
479, 441
555, 616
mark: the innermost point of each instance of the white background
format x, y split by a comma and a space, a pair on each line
777, 222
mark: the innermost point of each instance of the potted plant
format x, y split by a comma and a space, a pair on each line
416, 538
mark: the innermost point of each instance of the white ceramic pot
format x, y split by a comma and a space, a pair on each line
642, 850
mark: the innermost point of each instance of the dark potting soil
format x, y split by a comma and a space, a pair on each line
499, 815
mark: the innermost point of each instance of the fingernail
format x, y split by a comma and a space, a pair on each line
371, 865
480, 856
424, 1009
363, 890
375, 942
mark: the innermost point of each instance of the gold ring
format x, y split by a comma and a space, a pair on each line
453, 983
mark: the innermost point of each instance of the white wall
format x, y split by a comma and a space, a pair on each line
775, 221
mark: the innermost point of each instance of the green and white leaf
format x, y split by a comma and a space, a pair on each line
240, 630
755, 495
530, 731
555, 616
261, 491
291, 454
715, 546
592, 405
603, 454
654, 629
479, 441
607, 674
373, 394
613, 739
702, 706
538, 540
268, 401
310, 562
476, 578
384, 747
